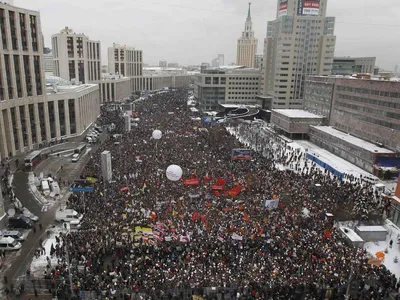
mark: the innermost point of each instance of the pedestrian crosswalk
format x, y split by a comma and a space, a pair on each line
44, 208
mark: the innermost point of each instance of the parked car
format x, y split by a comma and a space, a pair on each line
30, 215
69, 215
16, 235
20, 221
9, 244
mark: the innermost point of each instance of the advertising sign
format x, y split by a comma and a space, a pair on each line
283, 8
308, 7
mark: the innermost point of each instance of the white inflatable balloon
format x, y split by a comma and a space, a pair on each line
157, 134
174, 172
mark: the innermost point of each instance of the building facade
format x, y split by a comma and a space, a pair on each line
299, 42
368, 109
247, 44
259, 61
163, 64
236, 85
155, 83
76, 58
124, 60
114, 88
357, 151
48, 63
352, 65
173, 65
30, 115
318, 92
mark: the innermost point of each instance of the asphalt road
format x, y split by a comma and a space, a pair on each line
17, 262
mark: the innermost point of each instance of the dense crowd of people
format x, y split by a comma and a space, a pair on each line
143, 234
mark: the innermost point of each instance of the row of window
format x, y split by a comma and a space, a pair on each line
368, 91
22, 124
367, 119
369, 110
394, 105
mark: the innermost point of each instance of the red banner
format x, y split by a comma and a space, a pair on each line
193, 181
235, 191
215, 187
124, 189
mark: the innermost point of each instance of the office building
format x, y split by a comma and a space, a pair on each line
368, 109
247, 44
353, 65
299, 42
163, 64
76, 58
125, 61
114, 88
226, 85
32, 114
259, 61
48, 62
215, 63
353, 149
221, 60
71, 108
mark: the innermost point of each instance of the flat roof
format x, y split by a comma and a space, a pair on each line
352, 139
297, 113
354, 237
371, 228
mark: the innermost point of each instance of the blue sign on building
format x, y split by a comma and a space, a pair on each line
81, 189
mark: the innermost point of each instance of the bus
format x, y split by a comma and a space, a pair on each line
32, 159
78, 152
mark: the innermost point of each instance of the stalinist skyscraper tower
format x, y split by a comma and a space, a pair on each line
247, 45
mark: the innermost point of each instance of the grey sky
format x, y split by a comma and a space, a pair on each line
195, 31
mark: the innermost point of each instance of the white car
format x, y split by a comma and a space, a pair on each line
30, 215
69, 215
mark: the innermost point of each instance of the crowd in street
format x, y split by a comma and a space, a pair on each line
144, 234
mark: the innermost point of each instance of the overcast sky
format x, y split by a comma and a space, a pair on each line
195, 31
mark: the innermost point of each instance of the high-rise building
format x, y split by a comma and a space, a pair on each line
31, 114
352, 65
214, 63
221, 60
124, 60
48, 62
76, 58
163, 64
247, 44
299, 42
259, 61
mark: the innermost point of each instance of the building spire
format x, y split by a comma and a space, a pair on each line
248, 14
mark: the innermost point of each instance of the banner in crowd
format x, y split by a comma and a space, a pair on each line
124, 189
192, 181
91, 179
237, 237
192, 196
241, 154
272, 204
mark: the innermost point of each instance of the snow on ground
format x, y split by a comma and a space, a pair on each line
38, 265
335, 161
374, 247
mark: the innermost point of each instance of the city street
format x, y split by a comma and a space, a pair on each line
17, 262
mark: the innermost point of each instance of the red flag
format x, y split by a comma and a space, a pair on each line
124, 189
327, 234
195, 216
220, 181
215, 187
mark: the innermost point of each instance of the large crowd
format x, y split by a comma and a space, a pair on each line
143, 234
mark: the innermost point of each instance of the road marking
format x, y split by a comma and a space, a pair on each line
44, 208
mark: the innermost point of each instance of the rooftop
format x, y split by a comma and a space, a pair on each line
297, 113
352, 139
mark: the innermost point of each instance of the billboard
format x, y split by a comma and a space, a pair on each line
241, 154
308, 8
283, 8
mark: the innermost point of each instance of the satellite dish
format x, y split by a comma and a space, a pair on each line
11, 212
